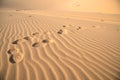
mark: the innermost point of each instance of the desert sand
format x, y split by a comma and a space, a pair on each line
59, 45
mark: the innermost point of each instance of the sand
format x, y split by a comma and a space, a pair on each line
61, 45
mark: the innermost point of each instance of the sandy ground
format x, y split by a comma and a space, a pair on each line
48, 45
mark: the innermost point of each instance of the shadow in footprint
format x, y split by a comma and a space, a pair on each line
9, 51
60, 31
118, 29
12, 50
10, 15
11, 59
36, 33
78, 28
28, 38
70, 25
93, 26
64, 26
17, 57
102, 20
36, 44
45, 41
17, 10
17, 41
96, 27
30, 16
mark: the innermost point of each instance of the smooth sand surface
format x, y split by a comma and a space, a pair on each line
48, 45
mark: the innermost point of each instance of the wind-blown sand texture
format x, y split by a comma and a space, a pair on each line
43, 45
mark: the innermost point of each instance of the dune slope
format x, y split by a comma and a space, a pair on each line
51, 46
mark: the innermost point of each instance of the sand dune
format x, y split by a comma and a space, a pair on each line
43, 46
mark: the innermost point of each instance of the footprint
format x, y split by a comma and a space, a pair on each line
45, 41
13, 50
70, 25
36, 33
30, 16
17, 41
78, 28
60, 31
10, 15
17, 10
102, 20
64, 25
46, 33
28, 38
16, 58
118, 29
36, 44
93, 26
97, 27
11, 59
